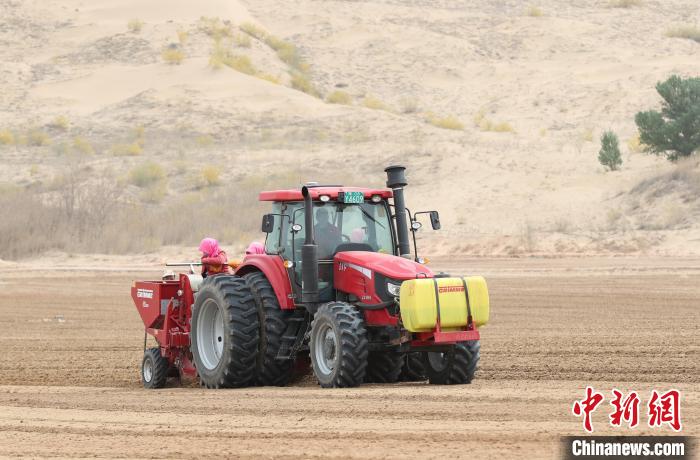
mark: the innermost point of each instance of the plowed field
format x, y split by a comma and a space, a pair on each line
72, 344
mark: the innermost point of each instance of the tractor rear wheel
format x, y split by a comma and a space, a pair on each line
154, 369
456, 366
338, 346
384, 366
225, 333
413, 369
273, 323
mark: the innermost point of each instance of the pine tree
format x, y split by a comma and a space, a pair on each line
609, 155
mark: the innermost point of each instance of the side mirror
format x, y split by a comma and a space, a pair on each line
268, 223
435, 220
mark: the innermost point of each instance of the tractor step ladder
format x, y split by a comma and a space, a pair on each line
293, 337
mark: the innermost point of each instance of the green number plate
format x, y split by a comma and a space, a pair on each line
353, 197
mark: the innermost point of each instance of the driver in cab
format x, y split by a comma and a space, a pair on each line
328, 236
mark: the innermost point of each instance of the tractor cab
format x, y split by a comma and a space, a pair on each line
343, 219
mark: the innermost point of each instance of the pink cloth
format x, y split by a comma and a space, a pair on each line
210, 247
255, 248
357, 235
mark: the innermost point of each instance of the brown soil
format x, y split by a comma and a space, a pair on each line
69, 383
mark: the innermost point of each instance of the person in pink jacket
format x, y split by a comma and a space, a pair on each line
255, 248
214, 260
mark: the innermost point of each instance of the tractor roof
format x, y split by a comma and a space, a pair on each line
316, 191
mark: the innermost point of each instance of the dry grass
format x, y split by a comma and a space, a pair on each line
83, 146
7, 137
688, 32
146, 174
37, 138
173, 55
182, 36
204, 140
60, 122
211, 175
448, 122
268, 77
129, 149
485, 124
242, 40
253, 30
634, 145
220, 57
409, 105
215, 28
625, 3
534, 12
134, 26
587, 135
339, 97
373, 103
302, 82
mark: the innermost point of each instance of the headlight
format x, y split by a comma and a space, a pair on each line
394, 289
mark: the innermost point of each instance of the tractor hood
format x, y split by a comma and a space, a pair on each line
391, 266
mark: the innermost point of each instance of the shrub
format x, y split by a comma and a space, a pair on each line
155, 192
220, 57
242, 40
253, 30
339, 97
173, 55
60, 122
634, 145
146, 174
373, 103
205, 140
409, 105
135, 26
674, 131
301, 82
215, 28
132, 149
83, 146
270, 78
211, 175
37, 137
688, 32
485, 124
7, 137
449, 122
624, 3
182, 37
534, 12
609, 154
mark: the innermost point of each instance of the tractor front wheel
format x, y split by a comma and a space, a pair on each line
338, 346
455, 366
225, 333
154, 369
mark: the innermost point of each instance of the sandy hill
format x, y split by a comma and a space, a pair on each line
496, 108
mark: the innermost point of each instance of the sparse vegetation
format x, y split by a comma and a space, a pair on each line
242, 40
60, 122
300, 81
449, 122
215, 28
267, 77
37, 138
83, 146
182, 36
172, 54
609, 154
634, 145
625, 3
146, 174
130, 149
135, 26
674, 131
7, 137
220, 57
409, 105
373, 103
205, 140
688, 32
253, 30
211, 175
339, 97
485, 124
587, 135
534, 12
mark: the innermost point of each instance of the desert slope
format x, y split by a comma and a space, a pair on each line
549, 80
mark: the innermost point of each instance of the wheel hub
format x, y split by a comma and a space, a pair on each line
210, 334
326, 350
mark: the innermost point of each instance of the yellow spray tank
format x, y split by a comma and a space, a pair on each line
427, 302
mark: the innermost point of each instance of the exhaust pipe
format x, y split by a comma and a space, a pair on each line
309, 253
396, 181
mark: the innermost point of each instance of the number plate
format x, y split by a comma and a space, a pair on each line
353, 197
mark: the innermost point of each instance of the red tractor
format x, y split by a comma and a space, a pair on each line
337, 283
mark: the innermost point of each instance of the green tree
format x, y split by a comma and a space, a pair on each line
675, 131
609, 155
